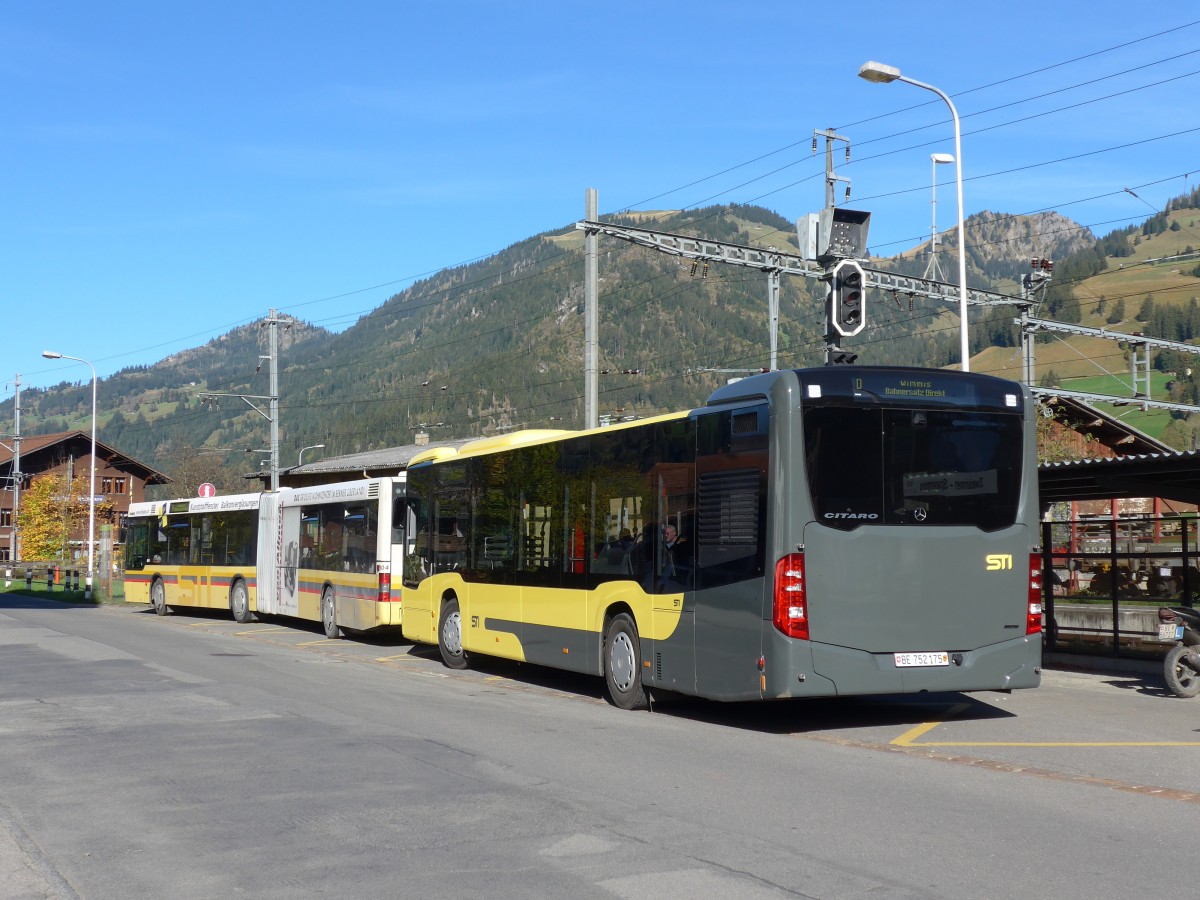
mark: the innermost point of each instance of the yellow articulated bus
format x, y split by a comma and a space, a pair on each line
320, 553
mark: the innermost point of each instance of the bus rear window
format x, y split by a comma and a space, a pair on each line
921, 467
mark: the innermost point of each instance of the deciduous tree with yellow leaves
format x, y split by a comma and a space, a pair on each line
51, 512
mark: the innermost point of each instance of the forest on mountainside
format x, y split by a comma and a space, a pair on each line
498, 344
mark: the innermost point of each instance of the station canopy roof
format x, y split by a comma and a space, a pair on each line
1173, 475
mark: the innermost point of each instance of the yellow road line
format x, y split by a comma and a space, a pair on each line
909, 737
1052, 743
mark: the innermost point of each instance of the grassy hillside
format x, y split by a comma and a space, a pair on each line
1158, 265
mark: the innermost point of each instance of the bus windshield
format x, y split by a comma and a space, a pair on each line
913, 466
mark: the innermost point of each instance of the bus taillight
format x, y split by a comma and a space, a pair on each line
385, 587
1033, 619
791, 606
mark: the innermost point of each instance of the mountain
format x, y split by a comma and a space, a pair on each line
1141, 279
999, 246
498, 344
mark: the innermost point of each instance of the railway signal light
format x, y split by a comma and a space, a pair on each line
847, 300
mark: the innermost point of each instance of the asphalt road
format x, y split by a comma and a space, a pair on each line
193, 757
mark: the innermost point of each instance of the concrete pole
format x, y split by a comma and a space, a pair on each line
16, 471
273, 344
591, 319
773, 314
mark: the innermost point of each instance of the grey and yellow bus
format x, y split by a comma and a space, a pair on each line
807, 533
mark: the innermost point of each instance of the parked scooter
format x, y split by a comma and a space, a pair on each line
1181, 668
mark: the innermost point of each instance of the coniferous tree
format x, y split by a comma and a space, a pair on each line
1118, 312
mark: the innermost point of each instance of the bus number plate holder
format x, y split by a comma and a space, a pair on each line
922, 660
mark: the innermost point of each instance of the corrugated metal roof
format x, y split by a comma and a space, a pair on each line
1173, 475
1103, 427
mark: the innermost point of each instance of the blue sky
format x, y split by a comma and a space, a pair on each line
173, 170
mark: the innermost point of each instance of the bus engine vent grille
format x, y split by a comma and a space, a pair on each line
729, 507
744, 423
658, 666
373, 489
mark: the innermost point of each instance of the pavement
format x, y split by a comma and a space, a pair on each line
25, 872
1101, 664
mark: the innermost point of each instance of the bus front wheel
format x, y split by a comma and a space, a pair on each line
239, 602
450, 636
158, 597
329, 614
622, 664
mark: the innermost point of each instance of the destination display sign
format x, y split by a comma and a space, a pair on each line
921, 387
950, 484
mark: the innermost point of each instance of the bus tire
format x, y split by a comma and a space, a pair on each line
158, 597
622, 664
450, 636
1181, 680
329, 614
239, 602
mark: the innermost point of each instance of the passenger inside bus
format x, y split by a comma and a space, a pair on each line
676, 560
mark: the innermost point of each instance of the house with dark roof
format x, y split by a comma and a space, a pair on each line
120, 479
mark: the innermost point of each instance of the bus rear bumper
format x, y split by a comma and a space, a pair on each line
1010, 665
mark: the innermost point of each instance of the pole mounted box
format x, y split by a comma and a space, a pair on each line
833, 233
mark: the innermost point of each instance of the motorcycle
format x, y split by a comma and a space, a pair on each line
1181, 668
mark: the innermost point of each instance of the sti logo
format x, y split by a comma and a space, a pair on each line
997, 562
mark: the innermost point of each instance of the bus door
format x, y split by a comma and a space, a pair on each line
278, 527
178, 556
553, 539
397, 548
666, 557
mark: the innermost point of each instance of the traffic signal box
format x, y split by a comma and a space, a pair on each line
847, 299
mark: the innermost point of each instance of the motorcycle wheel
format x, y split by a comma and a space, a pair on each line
1181, 680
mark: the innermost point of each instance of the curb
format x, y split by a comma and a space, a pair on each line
1107, 665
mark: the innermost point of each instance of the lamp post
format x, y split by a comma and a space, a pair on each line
87, 594
300, 458
880, 74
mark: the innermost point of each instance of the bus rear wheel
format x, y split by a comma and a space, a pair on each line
329, 614
158, 597
239, 602
622, 664
450, 636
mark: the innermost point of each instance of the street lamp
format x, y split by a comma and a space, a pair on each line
87, 594
300, 459
880, 74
